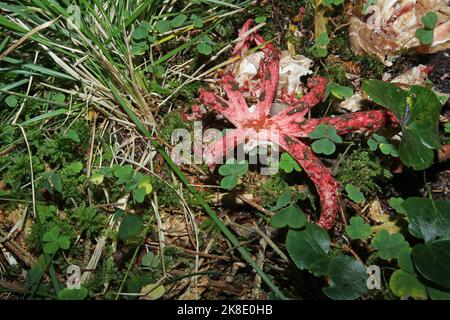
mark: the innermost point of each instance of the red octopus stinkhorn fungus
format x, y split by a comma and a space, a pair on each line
287, 128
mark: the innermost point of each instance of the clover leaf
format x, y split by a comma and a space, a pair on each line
178, 21
379, 141
291, 216
260, 19
426, 34
123, 173
143, 187
197, 22
162, 26
447, 127
53, 241
204, 48
283, 200
358, 229
389, 245
150, 260
288, 163
354, 193
327, 136
231, 170
396, 204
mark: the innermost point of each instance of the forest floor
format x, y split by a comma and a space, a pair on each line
91, 199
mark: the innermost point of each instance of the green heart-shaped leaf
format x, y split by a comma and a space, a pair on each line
291, 216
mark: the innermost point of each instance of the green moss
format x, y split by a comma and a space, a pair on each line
270, 189
336, 73
363, 170
172, 121
372, 67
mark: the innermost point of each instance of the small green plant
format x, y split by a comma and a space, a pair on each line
88, 220
130, 226
354, 193
326, 136
319, 49
260, 19
426, 34
309, 248
288, 214
389, 245
289, 164
417, 109
150, 260
447, 127
357, 229
231, 171
396, 204
338, 91
333, 2
53, 241
204, 45
364, 170
138, 184
377, 141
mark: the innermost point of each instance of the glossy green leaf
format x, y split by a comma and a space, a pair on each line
432, 260
428, 219
348, 278
309, 248
438, 294
413, 153
387, 95
405, 260
340, 92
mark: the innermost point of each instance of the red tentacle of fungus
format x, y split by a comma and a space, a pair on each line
288, 127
